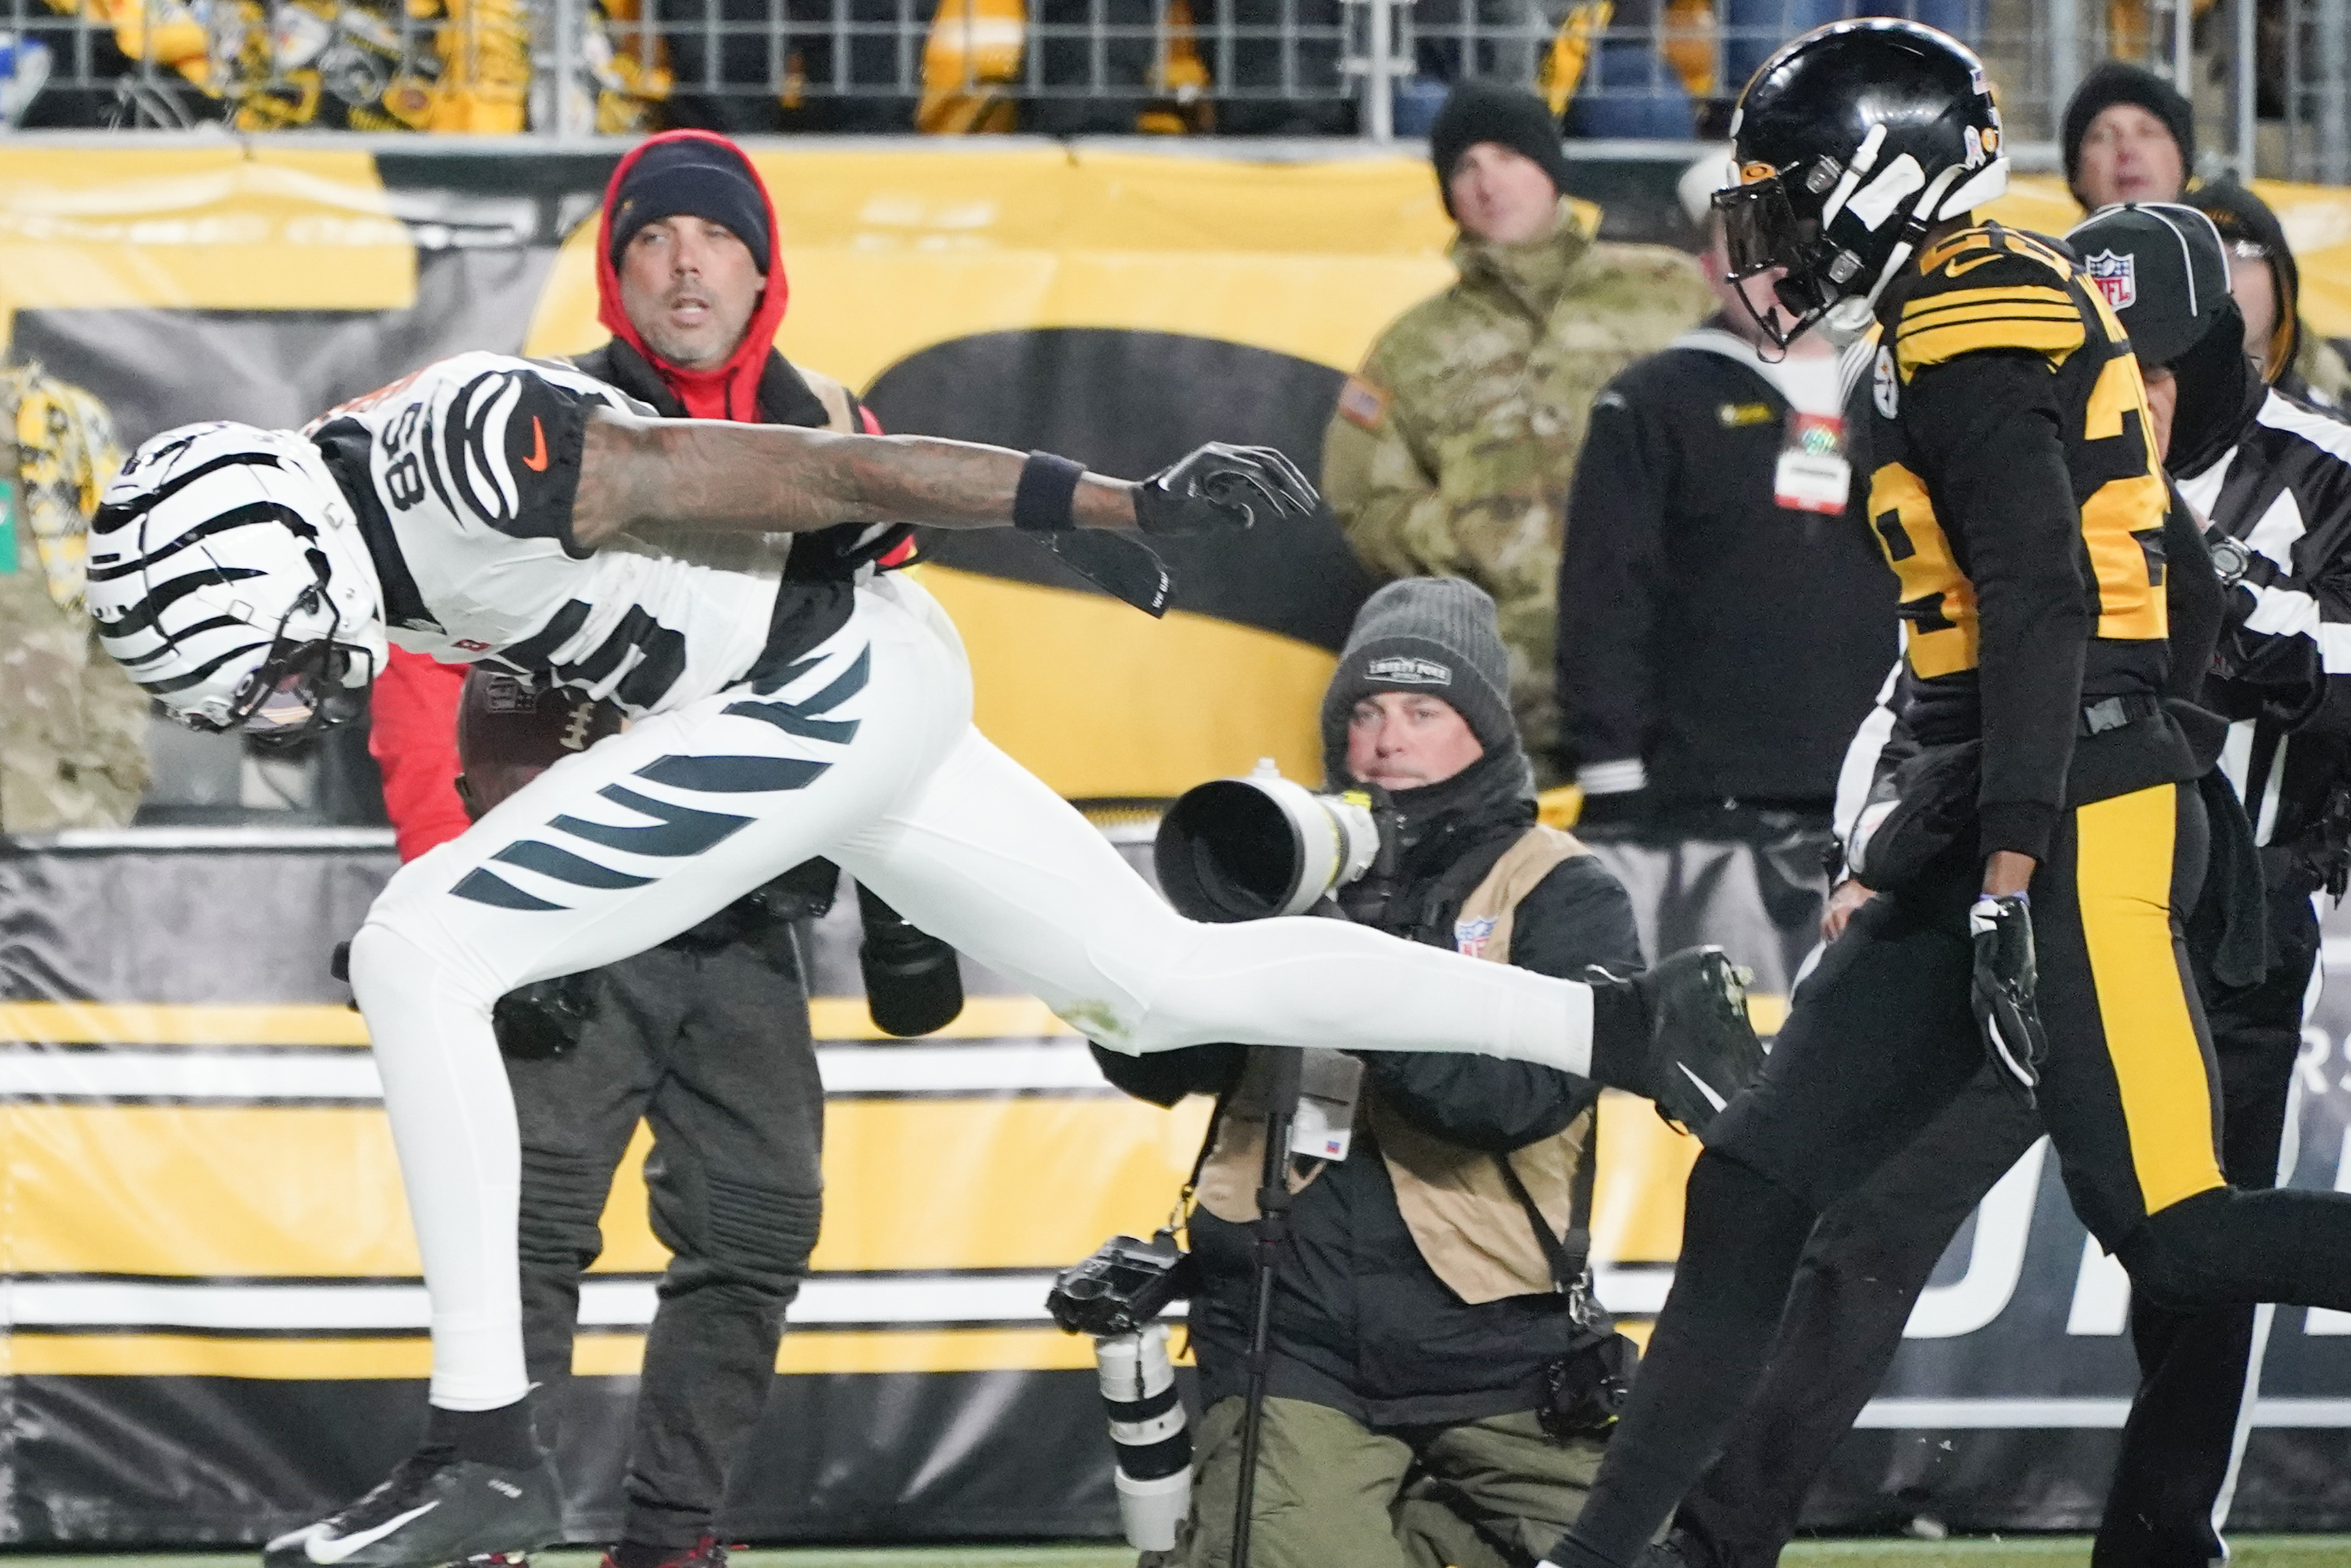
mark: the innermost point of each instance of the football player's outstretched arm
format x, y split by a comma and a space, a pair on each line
638, 473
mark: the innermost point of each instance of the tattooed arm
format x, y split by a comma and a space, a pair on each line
639, 473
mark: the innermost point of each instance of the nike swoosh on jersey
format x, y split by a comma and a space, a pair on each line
536, 461
320, 1550
1713, 1098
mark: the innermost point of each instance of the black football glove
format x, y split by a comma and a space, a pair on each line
1221, 489
2003, 993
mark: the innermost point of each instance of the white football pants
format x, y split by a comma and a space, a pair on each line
865, 754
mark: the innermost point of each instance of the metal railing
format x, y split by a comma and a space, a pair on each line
2272, 78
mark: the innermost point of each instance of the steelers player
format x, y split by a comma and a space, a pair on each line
2042, 818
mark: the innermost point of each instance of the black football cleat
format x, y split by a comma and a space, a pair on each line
1701, 1049
435, 1508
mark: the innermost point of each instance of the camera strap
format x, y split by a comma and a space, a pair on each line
1568, 1257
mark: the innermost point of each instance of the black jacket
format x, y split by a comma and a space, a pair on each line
1361, 1322
1726, 643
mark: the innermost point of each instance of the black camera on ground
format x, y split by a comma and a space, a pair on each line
1247, 849
1123, 1287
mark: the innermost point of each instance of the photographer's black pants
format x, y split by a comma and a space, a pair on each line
1873, 1252
1879, 1042
712, 1050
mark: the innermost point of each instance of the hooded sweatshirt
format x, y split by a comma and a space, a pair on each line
756, 385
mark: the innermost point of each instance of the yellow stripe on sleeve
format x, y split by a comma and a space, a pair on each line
1915, 351
2028, 296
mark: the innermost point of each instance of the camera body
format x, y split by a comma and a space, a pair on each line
1259, 846
1115, 1296
1121, 1288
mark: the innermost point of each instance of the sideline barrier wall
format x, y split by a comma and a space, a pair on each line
214, 1324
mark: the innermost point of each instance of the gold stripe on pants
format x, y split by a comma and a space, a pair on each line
2123, 877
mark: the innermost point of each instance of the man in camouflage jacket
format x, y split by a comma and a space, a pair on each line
72, 726
1451, 449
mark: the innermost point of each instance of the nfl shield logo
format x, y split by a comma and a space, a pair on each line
2116, 278
1470, 937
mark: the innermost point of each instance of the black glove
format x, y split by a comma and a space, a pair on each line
1221, 489
2007, 1012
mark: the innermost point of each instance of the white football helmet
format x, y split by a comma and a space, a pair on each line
228, 577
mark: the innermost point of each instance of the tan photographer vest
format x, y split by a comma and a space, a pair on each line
1470, 1227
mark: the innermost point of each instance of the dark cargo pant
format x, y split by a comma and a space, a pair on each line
711, 1046
1332, 1492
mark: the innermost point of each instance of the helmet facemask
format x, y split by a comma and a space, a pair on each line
303, 686
1761, 233
198, 537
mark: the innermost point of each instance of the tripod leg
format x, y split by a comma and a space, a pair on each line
1272, 1228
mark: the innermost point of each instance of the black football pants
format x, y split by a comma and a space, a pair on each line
1872, 1253
1880, 1040
711, 1047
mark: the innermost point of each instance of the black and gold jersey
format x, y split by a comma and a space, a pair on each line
1991, 289
2019, 499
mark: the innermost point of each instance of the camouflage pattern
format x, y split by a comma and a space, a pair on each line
1452, 448
2322, 371
73, 728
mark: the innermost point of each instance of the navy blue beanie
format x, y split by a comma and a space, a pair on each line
698, 179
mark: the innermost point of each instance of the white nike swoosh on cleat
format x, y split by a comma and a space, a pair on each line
1716, 1100
320, 1549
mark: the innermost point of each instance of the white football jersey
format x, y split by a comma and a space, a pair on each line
462, 476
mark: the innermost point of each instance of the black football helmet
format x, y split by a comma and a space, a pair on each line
1852, 142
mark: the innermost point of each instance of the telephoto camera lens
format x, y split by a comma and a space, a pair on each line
1148, 1432
1247, 849
912, 983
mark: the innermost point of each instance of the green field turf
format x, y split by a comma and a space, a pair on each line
2027, 1552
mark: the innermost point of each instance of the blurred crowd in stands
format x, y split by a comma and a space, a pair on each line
1610, 68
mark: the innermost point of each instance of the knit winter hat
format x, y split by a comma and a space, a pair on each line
2114, 82
1478, 112
2249, 228
700, 178
1436, 635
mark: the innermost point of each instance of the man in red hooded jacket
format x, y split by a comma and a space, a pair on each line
707, 1034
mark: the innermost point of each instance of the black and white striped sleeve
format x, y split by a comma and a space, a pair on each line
490, 441
1879, 745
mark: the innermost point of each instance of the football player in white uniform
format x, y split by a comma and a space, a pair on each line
497, 509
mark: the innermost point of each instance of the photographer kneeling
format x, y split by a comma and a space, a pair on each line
1418, 1317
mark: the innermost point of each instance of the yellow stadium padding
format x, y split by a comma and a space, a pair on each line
326, 1024
262, 1192
594, 1356
893, 251
1100, 702
208, 228
309, 1191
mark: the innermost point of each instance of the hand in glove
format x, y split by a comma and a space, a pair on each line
2007, 1012
1221, 489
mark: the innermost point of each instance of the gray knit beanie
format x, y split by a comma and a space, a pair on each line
1433, 635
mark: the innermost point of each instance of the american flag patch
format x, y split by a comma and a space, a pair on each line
1362, 403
